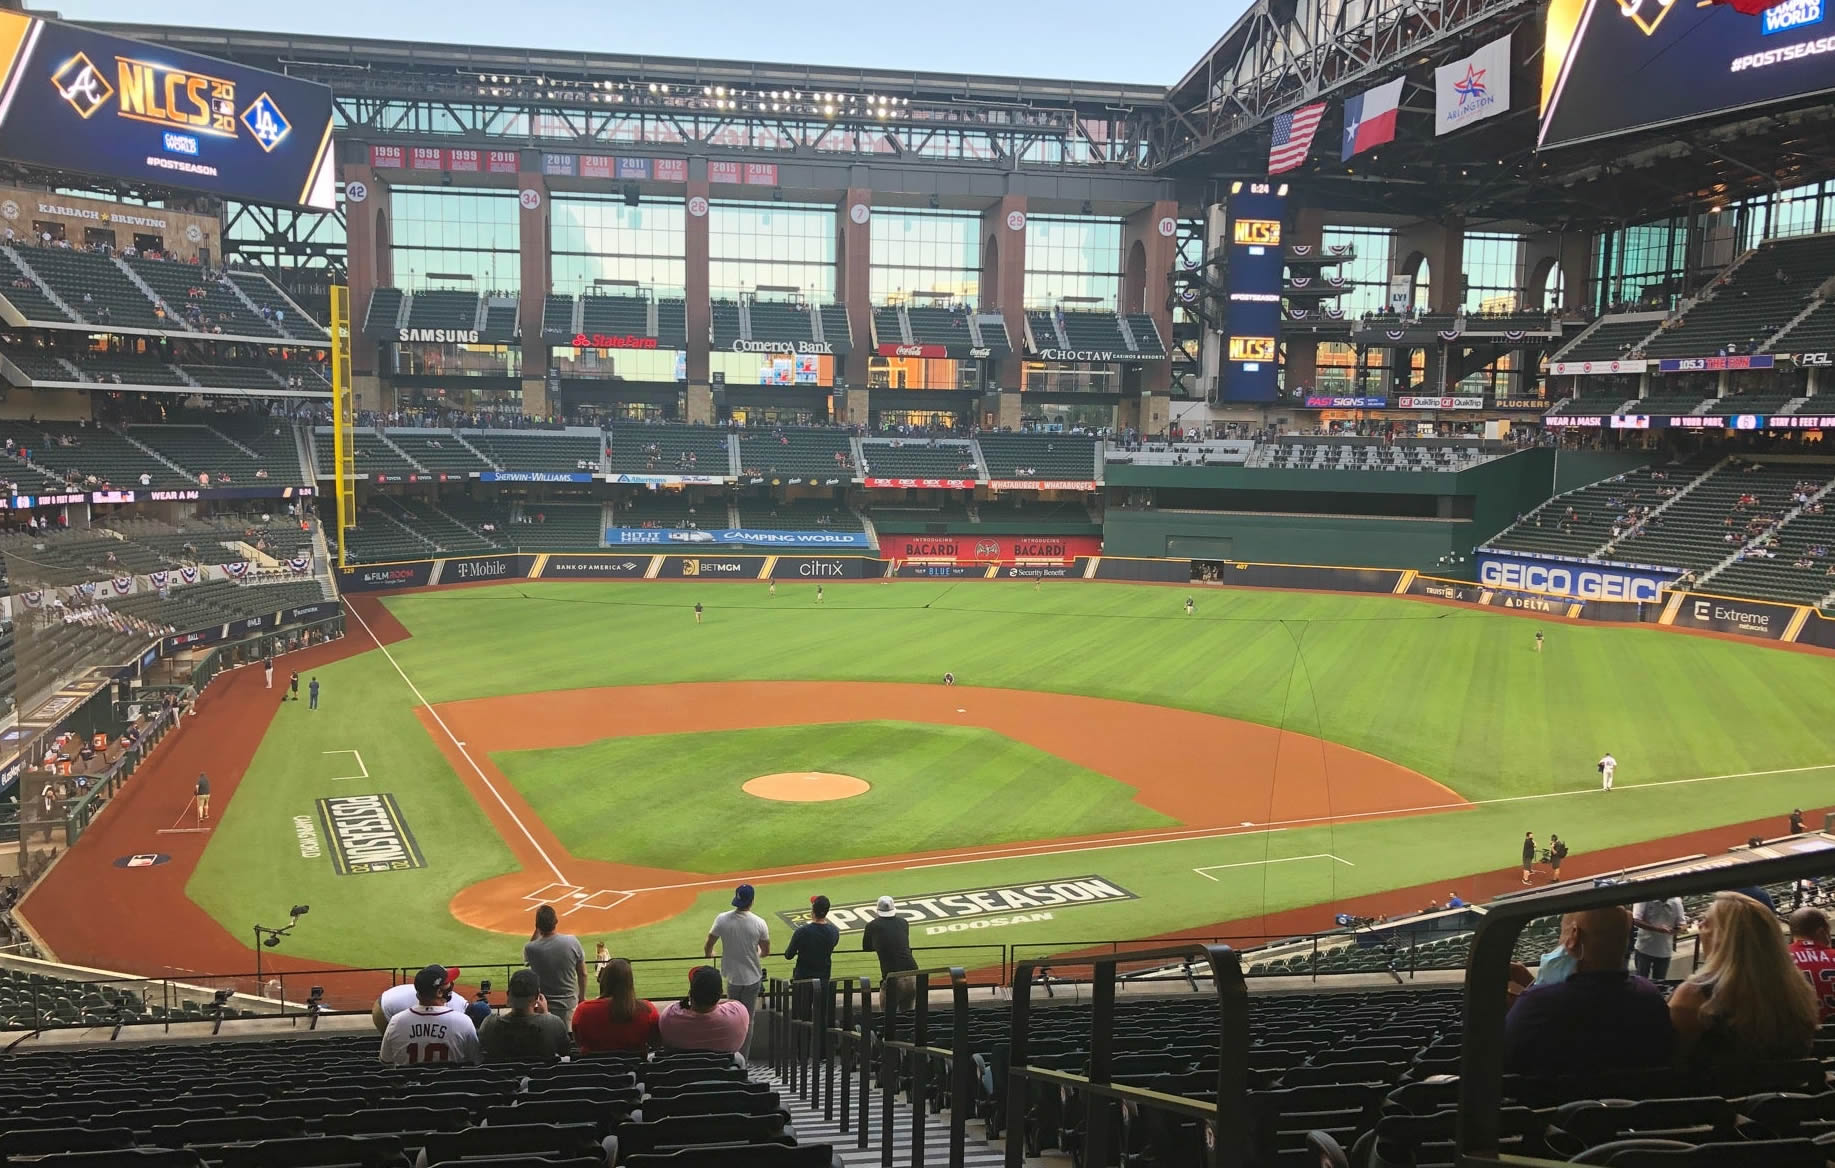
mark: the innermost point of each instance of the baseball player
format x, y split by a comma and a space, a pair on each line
201, 793
774, 588
432, 1030
697, 612
267, 670
818, 594
949, 679
1188, 606
1538, 641
1529, 855
1607, 765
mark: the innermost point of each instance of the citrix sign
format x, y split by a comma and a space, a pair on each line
1578, 582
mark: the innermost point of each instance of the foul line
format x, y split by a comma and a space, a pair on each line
360, 767
1209, 868
460, 747
1104, 843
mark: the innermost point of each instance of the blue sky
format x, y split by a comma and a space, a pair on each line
1083, 39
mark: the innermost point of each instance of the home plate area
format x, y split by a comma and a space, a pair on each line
569, 898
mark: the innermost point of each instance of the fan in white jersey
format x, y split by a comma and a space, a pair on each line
1607, 765
395, 999
432, 1030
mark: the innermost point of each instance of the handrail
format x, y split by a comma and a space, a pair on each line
1486, 1003
920, 1053
1227, 1121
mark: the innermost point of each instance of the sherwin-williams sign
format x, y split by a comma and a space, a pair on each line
970, 903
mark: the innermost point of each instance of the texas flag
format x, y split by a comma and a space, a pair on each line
1369, 118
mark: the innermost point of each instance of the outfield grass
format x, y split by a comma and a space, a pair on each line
1459, 695
626, 799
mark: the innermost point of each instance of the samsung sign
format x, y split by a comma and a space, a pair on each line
1573, 581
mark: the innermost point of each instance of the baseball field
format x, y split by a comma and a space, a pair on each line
1106, 766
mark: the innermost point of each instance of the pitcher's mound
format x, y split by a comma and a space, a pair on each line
806, 787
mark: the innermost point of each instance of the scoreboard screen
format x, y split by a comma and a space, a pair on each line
1257, 265
1613, 66
76, 100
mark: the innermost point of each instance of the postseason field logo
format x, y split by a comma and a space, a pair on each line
366, 833
978, 907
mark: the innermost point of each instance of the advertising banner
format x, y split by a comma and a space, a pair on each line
84, 101
1817, 630
939, 570
712, 567
1441, 403
1593, 368
595, 567
1715, 364
932, 484
476, 568
1570, 579
1241, 575
989, 548
380, 577
666, 479
535, 476
1042, 484
1529, 602
1320, 402
822, 567
1725, 614
736, 537
948, 912
1445, 589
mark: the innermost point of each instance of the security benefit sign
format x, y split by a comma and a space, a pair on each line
79, 100
366, 833
937, 913
1570, 580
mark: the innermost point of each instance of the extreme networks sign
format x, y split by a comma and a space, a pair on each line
978, 908
737, 536
1571, 579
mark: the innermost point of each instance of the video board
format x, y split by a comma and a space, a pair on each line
1612, 66
1257, 264
76, 100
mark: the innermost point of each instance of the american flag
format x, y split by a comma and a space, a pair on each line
1293, 137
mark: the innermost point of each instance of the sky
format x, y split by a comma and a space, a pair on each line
1095, 40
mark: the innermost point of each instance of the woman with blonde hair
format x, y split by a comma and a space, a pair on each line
1748, 1002
617, 1019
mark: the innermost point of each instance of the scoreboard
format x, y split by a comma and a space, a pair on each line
1257, 264
87, 102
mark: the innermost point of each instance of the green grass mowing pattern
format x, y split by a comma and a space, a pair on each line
623, 799
1459, 695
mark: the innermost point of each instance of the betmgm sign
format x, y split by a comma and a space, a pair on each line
1571, 580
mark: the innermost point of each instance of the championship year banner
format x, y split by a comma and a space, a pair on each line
84, 101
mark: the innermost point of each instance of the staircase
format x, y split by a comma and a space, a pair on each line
390, 443
1682, 493
1749, 544
254, 309
225, 437
33, 276
396, 520
184, 376
813, 1128
173, 319
745, 319
460, 439
1127, 332
152, 453
1814, 303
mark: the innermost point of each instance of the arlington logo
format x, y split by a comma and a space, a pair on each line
1471, 87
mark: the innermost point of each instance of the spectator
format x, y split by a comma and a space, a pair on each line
705, 1020
617, 1019
889, 935
745, 941
395, 999
1658, 922
1600, 1017
1746, 1002
528, 1033
813, 943
1811, 951
558, 961
432, 1030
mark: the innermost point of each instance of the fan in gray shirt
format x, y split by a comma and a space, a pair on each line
558, 961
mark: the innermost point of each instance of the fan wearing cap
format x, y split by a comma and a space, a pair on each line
433, 1030
395, 999
745, 941
889, 935
528, 1032
704, 1020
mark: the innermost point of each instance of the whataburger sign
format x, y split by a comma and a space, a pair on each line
990, 905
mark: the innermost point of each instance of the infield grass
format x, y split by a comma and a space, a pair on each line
626, 799
1456, 694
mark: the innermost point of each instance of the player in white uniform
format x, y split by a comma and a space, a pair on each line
1607, 765
432, 1030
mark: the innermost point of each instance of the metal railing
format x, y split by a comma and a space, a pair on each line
916, 1057
1224, 1123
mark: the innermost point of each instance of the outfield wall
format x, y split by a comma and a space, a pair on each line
1790, 624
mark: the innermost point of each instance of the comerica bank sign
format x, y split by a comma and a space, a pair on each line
1572, 580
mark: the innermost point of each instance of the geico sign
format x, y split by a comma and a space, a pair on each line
1707, 613
1580, 583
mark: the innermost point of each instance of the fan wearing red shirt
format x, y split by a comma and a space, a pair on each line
1810, 949
617, 1019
